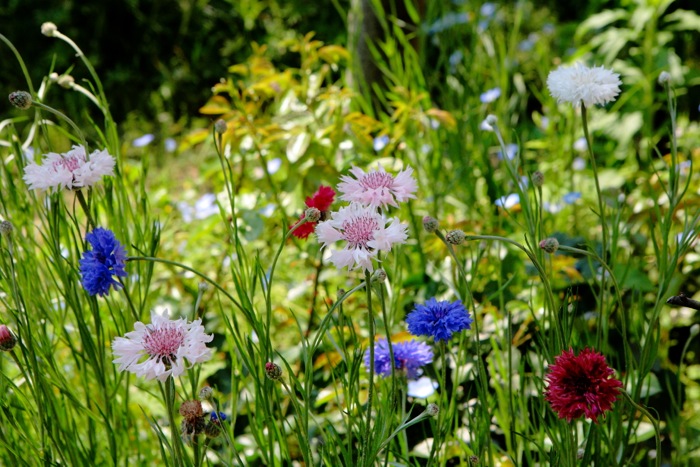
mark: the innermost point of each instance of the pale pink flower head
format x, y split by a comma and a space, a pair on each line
377, 187
69, 170
165, 344
366, 232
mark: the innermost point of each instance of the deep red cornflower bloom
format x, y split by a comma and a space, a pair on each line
321, 200
581, 385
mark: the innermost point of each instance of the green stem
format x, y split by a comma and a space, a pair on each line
174, 432
67, 120
365, 460
654, 422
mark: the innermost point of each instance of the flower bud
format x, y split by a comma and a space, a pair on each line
432, 409
66, 81
206, 393
203, 286
312, 214
6, 228
694, 330
491, 119
537, 178
473, 460
664, 78
273, 371
7, 339
550, 245
430, 224
21, 99
220, 126
49, 29
455, 237
378, 276
341, 293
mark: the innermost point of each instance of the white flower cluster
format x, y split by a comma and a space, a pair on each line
69, 170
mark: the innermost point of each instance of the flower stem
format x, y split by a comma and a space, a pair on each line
654, 422
365, 457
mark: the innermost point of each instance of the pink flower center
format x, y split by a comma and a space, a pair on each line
374, 180
70, 163
163, 343
359, 231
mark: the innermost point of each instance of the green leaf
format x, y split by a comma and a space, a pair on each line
685, 20
599, 21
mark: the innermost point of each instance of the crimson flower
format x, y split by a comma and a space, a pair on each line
321, 200
581, 385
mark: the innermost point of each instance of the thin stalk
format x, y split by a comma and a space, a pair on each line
365, 460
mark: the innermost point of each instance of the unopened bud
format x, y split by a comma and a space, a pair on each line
53, 77
273, 371
430, 224
694, 330
7, 339
432, 409
473, 460
491, 119
66, 81
21, 99
312, 214
664, 78
537, 178
49, 29
378, 276
341, 293
205, 393
6, 228
550, 245
203, 286
220, 126
455, 237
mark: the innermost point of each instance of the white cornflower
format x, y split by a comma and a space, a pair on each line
69, 170
365, 230
580, 83
165, 344
377, 187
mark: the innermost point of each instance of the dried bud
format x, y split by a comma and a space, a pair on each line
191, 427
206, 393
220, 126
430, 224
7, 339
66, 81
664, 78
21, 99
6, 228
312, 214
48, 29
455, 237
191, 410
378, 276
273, 371
537, 178
432, 410
550, 245
213, 428
473, 460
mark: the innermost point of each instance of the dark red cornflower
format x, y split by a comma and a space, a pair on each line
321, 200
581, 385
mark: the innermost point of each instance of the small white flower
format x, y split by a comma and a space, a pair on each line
580, 83
165, 344
365, 230
69, 170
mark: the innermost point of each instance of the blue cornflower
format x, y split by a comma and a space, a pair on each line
438, 319
409, 356
106, 259
216, 418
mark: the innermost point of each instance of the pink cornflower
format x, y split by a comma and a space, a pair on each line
69, 170
321, 200
165, 343
581, 385
366, 232
377, 187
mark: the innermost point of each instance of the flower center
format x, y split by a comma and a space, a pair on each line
581, 384
69, 163
376, 180
163, 343
359, 230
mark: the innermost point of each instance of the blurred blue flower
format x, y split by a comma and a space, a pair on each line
488, 9
455, 59
490, 95
511, 152
380, 142
447, 21
528, 44
204, 207
438, 319
508, 201
215, 418
570, 198
274, 165
409, 356
106, 259
579, 163
581, 144
170, 144
144, 140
